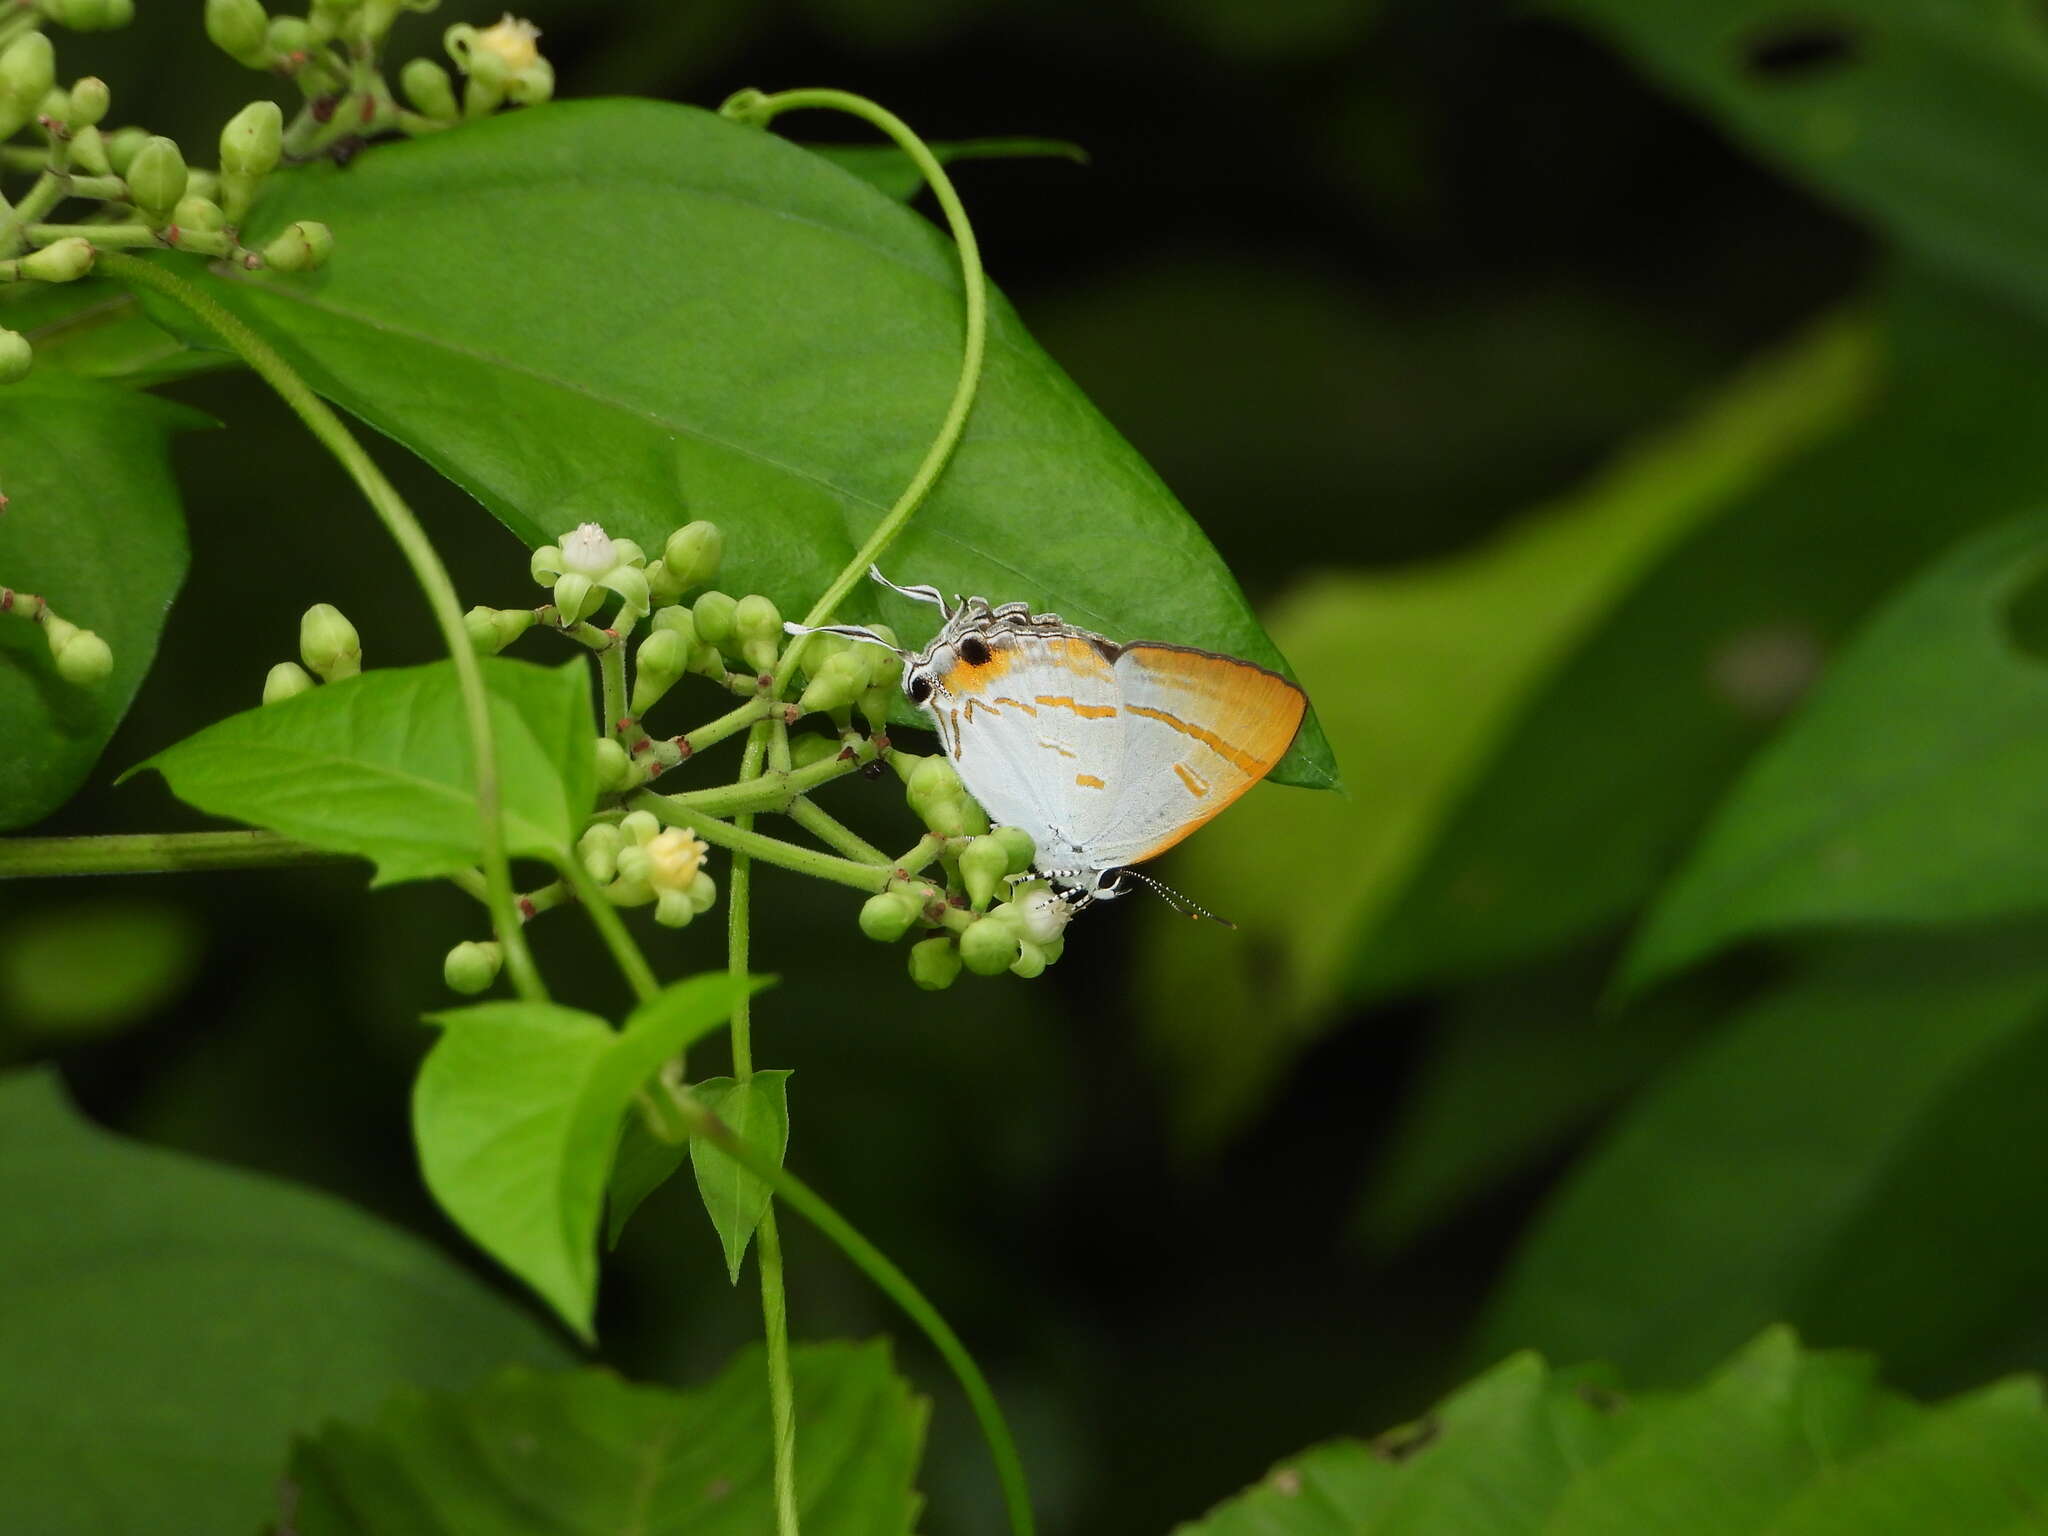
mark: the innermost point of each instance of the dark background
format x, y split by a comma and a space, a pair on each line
1361, 281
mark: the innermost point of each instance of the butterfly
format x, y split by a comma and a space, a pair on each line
1106, 754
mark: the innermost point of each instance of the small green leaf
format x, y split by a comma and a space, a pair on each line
894, 174
516, 1114
643, 1163
582, 1453
1908, 791
92, 524
167, 1325
379, 765
757, 1111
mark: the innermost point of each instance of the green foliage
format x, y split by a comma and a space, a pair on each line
759, 338
516, 1113
1777, 1441
85, 969
1812, 1161
1939, 820
757, 1111
582, 1453
374, 765
93, 525
166, 1326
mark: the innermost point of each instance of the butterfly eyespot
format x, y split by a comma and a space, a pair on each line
920, 689
974, 651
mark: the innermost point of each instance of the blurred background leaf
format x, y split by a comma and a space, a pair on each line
79, 969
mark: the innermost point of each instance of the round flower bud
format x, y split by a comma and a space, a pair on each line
577, 597
89, 152
587, 550
885, 667
935, 792
834, 685
61, 261
252, 140
90, 99
714, 615
89, 15
28, 68
122, 146
692, 554
430, 89
1030, 962
887, 917
615, 770
703, 892
156, 179
84, 660
874, 709
672, 909
287, 680
16, 356
990, 947
808, 747
983, 864
303, 247
239, 29
492, 629
329, 644
1017, 843
200, 213
639, 827
934, 964
471, 967
658, 665
598, 848
758, 624
678, 621
290, 35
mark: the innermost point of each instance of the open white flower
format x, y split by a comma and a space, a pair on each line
588, 551
673, 859
513, 40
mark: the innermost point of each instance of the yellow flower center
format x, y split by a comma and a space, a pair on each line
512, 40
673, 859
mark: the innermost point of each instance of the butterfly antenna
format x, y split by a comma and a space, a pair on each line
930, 595
847, 631
1175, 900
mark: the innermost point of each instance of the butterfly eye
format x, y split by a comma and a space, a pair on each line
974, 651
920, 688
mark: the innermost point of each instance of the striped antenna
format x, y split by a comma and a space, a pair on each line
1174, 899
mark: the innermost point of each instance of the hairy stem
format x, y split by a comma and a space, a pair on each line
827, 829
154, 853
427, 569
770, 791
612, 929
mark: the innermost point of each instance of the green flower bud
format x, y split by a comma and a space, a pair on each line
991, 946
673, 909
874, 709
303, 247
84, 660
934, 964
983, 863
28, 68
633, 866
16, 356
817, 650
808, 747
835, 685
287, 680
430, 89
885, 667
680, 621
89, 152
1030, 962
156, 179
758, 624
90, 99
532, 85
61, 261
471, 967
615, 769
887, 917
935, 792
577, 597
239, 29
659, 664
329, 644
122, 146
288, 35
199, 213
89, 15
714, 614
253, 139
1017, 843
692, 555
598, 848
640, 826
504, 624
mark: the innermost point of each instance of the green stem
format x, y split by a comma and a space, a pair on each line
612, 929
745, 843
419, 553
763, 111
769, 791
827, 829
611, 667
153, 853
37, 201
731, 723
104, 236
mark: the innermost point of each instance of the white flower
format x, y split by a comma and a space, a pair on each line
588, 551
1044, 911
673, 859
512, 40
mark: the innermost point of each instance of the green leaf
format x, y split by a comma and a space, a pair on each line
166, 1326
92, 523
1778, 1442
643, 1163
1908, 790
98, 330
1881, 1090
757, 1111
379, 765
516, 1115
585, 1454
894, 174
742, 332
1422, 674
1931, 120
73, 971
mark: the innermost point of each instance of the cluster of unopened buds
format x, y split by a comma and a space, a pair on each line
135, 187
80, 656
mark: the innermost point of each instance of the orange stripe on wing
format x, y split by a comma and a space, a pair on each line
1089, 781
1197, 785
1085, 711
1235, 755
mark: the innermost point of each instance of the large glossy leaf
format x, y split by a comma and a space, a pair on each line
1931, 119
1869, 1117
643, 313
1908, 791
379, 765
516, 1114
92, 523
1422, 673
1777, 1442
167, 1325
1610, 770
585, 1454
